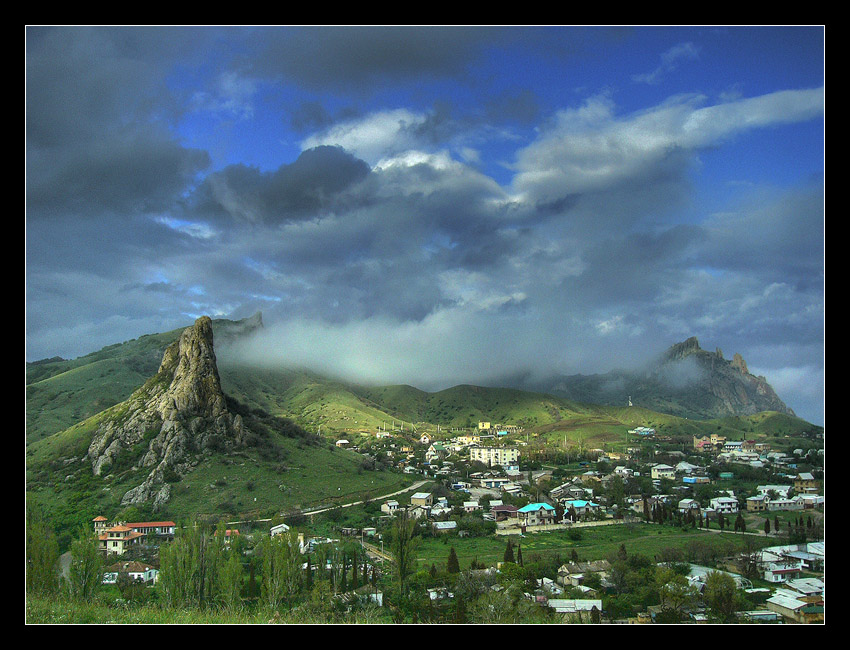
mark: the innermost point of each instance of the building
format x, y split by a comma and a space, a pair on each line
805, 483
116, 540
663, 471
389, 507
724, 505
494, 455
536, 514
132, 571
422, 499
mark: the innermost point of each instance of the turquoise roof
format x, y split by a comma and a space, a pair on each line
532, 507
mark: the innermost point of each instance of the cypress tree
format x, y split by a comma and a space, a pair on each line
453, 566
509, 553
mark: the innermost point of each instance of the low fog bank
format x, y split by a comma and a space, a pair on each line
436, 353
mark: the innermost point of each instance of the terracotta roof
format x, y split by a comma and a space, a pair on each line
99, 518
129, 567
151, 524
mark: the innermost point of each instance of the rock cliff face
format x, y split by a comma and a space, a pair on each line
178, 415
687, 381
722, 387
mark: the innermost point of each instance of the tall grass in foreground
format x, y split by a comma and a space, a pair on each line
64, 610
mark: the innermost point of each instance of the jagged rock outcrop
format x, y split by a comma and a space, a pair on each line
686, 381
178, 414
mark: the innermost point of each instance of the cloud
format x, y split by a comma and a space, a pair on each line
670, 61
591, 150
293, 191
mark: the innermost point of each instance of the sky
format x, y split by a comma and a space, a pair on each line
433, 205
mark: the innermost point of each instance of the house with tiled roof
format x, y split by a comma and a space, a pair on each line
133, 571
116, 540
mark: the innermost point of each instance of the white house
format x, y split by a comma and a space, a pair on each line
663, 471
725, 505
390, 507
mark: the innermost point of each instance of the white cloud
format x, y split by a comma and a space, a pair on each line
670, 60
375, 137
591, 149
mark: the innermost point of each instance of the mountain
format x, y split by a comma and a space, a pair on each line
179, 443
177, 414
685, 381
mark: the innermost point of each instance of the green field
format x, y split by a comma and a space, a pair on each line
596, 543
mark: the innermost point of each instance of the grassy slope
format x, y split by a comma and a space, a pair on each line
62, 393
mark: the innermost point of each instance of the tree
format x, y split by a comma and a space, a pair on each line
282, 575
721, 595
519, 556
42, 557
509, 553
676, 593
404, 546
453, 566
767, 526
231, 582
86, 569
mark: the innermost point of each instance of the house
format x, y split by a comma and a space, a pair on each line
444, 526
494, 455
116, 540
794, 609
422, 499
661, 471
536, 514
686, 468
780, 490
573, 574
495, 482
724, 505
576, 610
580, 506
805, 483
695, 480
342, 443
132, 571
279, 529
389, 507
503, 512
425, 439
688, 505
757, 503
471, 506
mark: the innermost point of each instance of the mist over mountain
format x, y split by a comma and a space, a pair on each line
686, 381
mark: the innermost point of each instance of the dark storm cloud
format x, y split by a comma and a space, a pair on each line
293, 191
93, 99
349, 57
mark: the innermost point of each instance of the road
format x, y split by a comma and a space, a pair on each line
415, 486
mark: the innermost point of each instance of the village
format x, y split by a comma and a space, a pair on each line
487, 486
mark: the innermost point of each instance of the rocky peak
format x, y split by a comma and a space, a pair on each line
683, 350
739, 364
178, 414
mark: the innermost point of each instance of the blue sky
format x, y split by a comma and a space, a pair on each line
434, 205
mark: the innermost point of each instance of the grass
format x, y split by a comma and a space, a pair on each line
596, 543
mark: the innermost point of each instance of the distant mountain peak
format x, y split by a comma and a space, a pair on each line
685, 381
